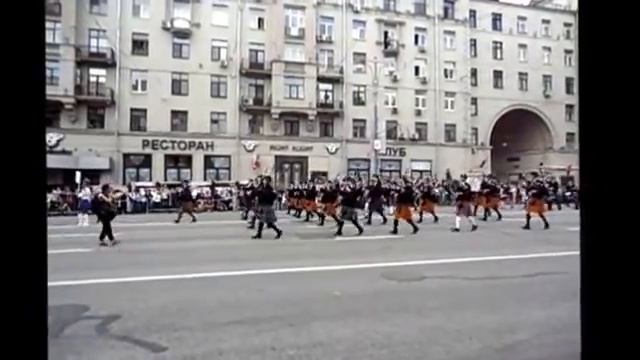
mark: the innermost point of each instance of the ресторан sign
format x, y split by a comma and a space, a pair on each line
183, 145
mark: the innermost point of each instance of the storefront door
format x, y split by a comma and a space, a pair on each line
290, 170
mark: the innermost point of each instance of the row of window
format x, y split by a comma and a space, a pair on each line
523, 81
137, 167
521, 25
388, 169
497, 53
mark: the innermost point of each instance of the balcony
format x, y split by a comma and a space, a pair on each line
181, 27
94, 94
104, 56
294, 33
330, 73
255, 104
329, 107
255, 69
391, 48
53, 8
324, 38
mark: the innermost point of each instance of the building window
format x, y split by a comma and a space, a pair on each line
359, 62
545, 29
420, 7
138, 120
141, 9
53, 32
420, 169
568, 58
359, 95
325, 58
390, 99
522, 53
292, 127
474, 106
389, 5
97, 82
293, 87
220, 16
326, 127
391, 127
140, 44
326, 28
568, 31
496, 22
256, 59
473, 19
217, 168
180, 84
473, 77
449, 70
98, 7
139, 81
569, 112
547, 83
218, 122
136, 167
449, 101
569, 85
390, 169
218, 86
570, 140
294, 22
95, 117
256, 124
450, 133
474, 136
473, 48
218, 50
420, 99
420, 37
359, 29
449, 40
179, 120
497, 50
325, 95
359, 127
98, 41
448, 9
498, 81
177, 167
52, 72
523, 81
422, 131
294, 53
359, 168
546, 55
521, 25
256, 91
181, 48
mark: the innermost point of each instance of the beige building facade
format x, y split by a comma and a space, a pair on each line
165, 90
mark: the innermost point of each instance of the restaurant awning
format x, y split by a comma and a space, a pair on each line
70, 162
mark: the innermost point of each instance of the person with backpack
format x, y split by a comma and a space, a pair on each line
104, 205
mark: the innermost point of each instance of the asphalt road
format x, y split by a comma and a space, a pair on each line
206, 291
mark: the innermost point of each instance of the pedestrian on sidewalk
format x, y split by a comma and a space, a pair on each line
84, 203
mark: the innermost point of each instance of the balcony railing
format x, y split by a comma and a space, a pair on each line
257, 69
294, 33
53, 8
178, 26
96, 55
391, 48
329, 106
94, 93
332, 73
255, 104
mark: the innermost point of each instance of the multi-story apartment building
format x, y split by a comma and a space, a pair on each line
165, 90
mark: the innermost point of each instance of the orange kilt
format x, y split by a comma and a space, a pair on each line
480, 200
492, 202
403, 212
330, 209
297, 204
537, 206
310, 205
427, 206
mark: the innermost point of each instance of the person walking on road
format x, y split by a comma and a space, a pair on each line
187, 202
350, 197
105, 208
266, 195
536, 203
463, 207
404, 203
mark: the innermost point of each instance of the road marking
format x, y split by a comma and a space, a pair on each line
219, 274
576, 228
76, 235
367, 237
68, 251
167, 223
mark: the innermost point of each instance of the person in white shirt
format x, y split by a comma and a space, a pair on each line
84, 205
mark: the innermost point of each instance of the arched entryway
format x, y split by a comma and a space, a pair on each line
519, 140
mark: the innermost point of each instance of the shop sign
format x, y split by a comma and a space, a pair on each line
297, 148
172, 145
395, 152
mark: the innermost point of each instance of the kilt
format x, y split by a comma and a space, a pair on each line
348, 213
463, 208
266, 214
376, 204
187, 206
329, 209
492, 202
537, 206
298, 204
310, 205
427, 205
403, 212
480, 200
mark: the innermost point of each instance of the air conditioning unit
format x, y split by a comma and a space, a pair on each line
546, 94
247, 101
418, 112
359, 68
422, 49
394, 110
224, 63
415, 137
395, 77
424, 79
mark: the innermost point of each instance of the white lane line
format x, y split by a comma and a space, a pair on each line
167, 223
576, 228
68, 251
219, 274
77, 235
366, 237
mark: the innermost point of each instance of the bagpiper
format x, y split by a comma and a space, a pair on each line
329, 203
464, 197
491, 193
404, 204
536, 204
428, 201
375, 197
310, 197
265, 196
349, 198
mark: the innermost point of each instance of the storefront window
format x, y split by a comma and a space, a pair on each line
137, 167
177, 167
217, 168
390, 169
420, 169
359, 168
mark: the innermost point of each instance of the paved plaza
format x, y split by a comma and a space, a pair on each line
207, 291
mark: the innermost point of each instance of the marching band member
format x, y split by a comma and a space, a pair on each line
375, 196
536, 204
404, 203
329, 203
187, 202
252, 194
463, 207
290, 199
106, 209
265, 196
491, 193
310, 196
349, 203
428, 201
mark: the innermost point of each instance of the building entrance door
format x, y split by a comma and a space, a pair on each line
290, 170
